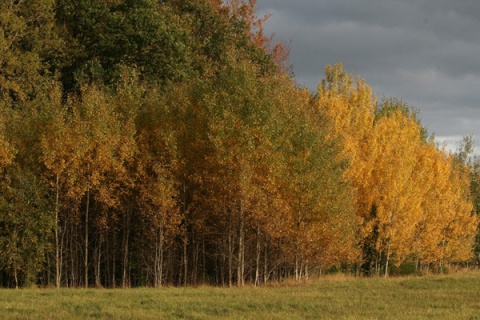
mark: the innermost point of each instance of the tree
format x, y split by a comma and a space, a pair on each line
57, 156
349, 106
313, 185
397, 193
6, 150
26, 226
475, 194
25, 217
29, 47
103, 36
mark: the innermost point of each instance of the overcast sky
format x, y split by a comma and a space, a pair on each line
425, 52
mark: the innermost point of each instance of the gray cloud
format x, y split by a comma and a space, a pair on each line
422, 51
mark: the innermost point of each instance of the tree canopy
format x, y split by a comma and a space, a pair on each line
166, 143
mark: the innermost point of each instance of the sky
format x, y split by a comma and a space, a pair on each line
425, 52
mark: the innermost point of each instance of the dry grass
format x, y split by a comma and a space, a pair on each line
332, 297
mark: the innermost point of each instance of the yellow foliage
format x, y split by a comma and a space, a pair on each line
410, 197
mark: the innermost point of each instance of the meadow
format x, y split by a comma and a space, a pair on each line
455, 296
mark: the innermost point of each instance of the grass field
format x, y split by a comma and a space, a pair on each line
434, 297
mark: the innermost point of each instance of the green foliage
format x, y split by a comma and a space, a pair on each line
26, 225
29, 47
312, 183
106, 35
165, 42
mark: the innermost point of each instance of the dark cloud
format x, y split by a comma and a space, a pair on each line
424, 52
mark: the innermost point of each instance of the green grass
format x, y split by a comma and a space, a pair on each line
435, 297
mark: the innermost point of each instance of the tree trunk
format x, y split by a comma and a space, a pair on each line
57, 240
86, 236
377, 263
297, 274
159, 258
15, 277
230, 251
114, 259
257, 260
297, 248
241, 248
196, 257
126, 235
204, 264
185, 259
265, 263
106, 265
386, 262
72, 267
306, 270
62, 253
98, 259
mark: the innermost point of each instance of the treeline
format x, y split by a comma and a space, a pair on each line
150, 143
